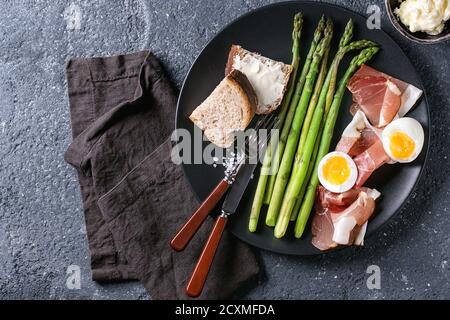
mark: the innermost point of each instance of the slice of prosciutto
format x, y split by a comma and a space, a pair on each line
361, 141
341, 219
381, 97
369, 161
378, 97
334, 202
358, 136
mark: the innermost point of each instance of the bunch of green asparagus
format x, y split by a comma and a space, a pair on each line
288, 178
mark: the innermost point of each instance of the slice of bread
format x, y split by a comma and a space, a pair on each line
268, 77
229, 108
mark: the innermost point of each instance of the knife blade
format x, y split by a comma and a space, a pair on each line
243, 176
237, 189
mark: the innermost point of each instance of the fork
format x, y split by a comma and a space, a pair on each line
187, 231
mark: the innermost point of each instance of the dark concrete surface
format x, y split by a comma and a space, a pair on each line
41, 220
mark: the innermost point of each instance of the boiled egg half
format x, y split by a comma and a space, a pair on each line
337, 172
403, 139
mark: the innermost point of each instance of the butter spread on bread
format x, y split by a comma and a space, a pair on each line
268, 77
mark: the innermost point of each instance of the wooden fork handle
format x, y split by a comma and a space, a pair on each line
201, 270
187, 231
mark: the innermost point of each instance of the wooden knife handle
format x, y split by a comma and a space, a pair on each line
187, 231
201, 270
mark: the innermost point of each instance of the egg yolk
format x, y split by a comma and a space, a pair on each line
401, 145
336, 170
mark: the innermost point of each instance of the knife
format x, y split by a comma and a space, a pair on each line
229, 207
187, 231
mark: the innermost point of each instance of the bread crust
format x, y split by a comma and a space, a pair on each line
287, 69
246, 89
234, 50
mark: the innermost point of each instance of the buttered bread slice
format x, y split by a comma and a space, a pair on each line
269, 78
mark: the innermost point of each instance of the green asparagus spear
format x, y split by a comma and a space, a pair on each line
307, 122
347, 35
294, 134
263, 177
327, 135
296, 33
299, 200
302, 192
278, 152
342, 50
311, 107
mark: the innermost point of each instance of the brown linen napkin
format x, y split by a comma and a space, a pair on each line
134, 197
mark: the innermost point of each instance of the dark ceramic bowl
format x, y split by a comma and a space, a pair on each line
419, 37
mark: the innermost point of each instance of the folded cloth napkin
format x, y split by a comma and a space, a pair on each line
135, 198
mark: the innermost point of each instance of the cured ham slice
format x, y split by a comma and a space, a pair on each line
378, 97
370, 160
367, 139
410, 93
342, 225
362, 142
337, 201
360, 234
381, 97
357, 214
358, 136
328, 203
322, 229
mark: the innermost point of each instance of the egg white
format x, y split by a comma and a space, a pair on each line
410, 127
347, 184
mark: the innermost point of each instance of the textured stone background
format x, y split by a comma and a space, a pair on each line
41, 219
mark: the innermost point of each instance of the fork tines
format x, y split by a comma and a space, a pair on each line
267, 122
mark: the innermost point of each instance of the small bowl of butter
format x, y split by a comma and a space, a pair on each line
422, 21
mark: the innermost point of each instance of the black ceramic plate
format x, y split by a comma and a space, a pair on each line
268, 31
